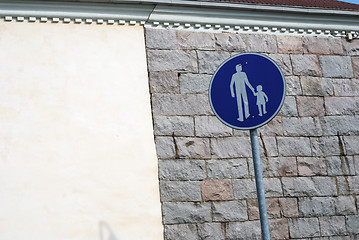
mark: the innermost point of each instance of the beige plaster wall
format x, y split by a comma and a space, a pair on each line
77, 155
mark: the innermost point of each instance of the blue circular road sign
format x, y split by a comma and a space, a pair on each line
247, 91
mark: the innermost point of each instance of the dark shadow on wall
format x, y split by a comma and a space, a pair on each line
106, 232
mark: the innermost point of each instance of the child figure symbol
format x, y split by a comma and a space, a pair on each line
261, 100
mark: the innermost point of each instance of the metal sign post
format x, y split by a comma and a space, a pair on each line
246, 92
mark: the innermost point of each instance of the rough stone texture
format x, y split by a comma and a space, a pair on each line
209, 61
195, 40
336, 66
282, 166
345, 205
319, 45
193, 147
310, 106
273, 208
304, 227
346, 87
181, 170
331, 226
229, 211
165, 147
262, 43
283, 62
230, 42
353, 224
244, 230
289, 107
351, 144
355, 61
219, 189
186, 212
326, 146
231, 147
343, 165
210, 126
351, 48
290, 44
244, 188
272, 187
343, 185
180, 191
273, 128
341, 105
353, 182
181, 104
304, 126
356, 164
160, 38
173, 125
268, 146
343, 125
311, 166
164, 82
264, 165
231, 168
210, 231
316, 207
314, 86
194, 83
278, 228
289, 207
306, 65
305, 186
290, 146
181, 232
293, 86
172, 60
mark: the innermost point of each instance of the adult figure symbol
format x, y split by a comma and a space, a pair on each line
240, 81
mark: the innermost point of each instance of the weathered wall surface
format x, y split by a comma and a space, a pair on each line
310, 151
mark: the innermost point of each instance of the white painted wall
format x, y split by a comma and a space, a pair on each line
77, 155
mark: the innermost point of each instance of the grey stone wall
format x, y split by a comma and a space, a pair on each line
310, 151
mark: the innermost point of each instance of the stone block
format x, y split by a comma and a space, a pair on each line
272, 128
195, 40
351, 48
290, 44
180, 191
303, 227
289, 207
336, 66
244, 188
311, 166
231, 147
181, 104
316, 206
194, 83
209, 61
268, 146
340, 165
211, 231
192, 147
346, 87
355, 61
173, 125
353, 182
282, 166
231, 168
341, 105
353, 224
294, 146
293, 86
314, 86
332, 226
278, 228
229, 211
172, 60
326, 146
181, 232
230, 41
181, 170
283, 62
186, 212
323, 45
263, 43
304, 126
356, 164
345, 205
343, 185
160, 38
351, 144
264, 166
165, 147
219, 189
273, 208
310, 106
309, 186
272, 187
306, 65
244, 230
289, 107
164, 82
342, 125
210, 126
